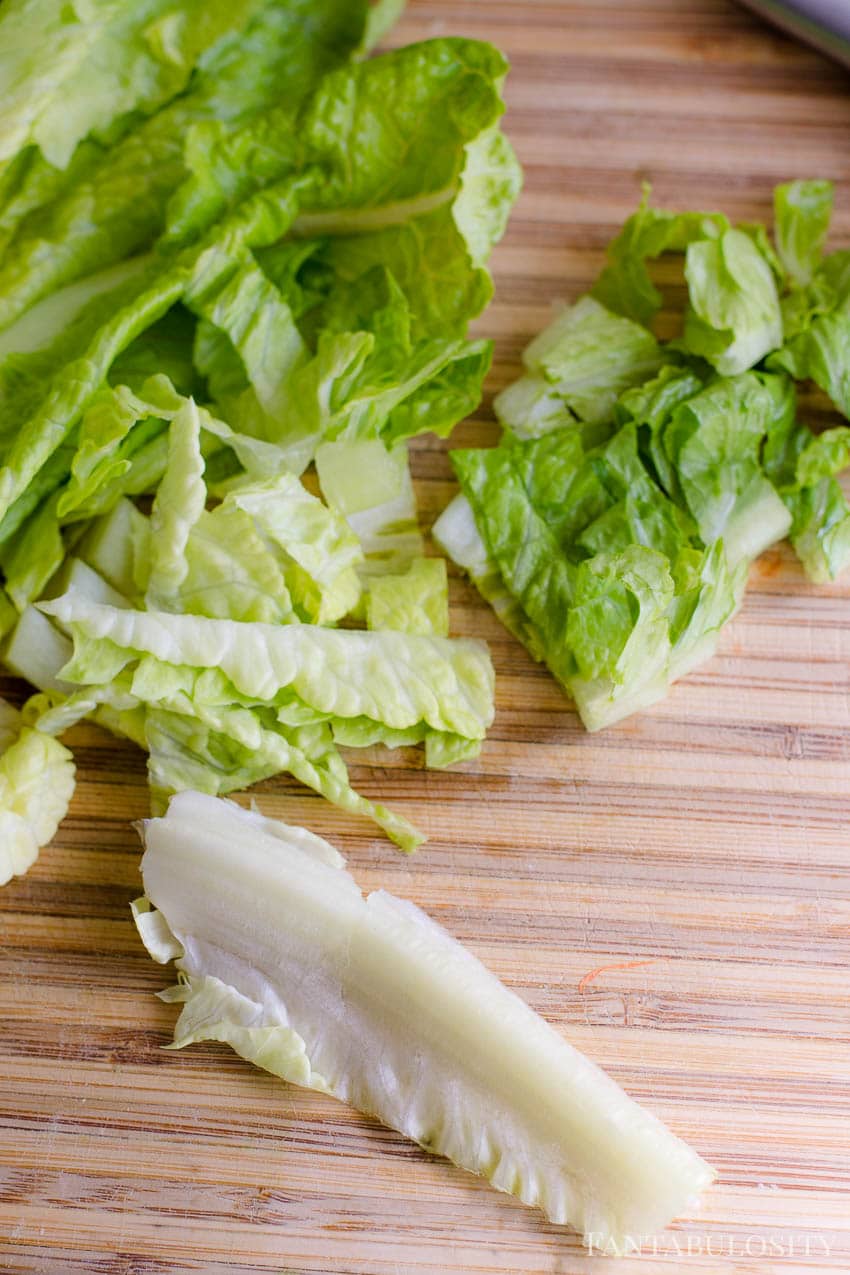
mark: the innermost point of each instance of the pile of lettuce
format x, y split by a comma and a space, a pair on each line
613, 527
233, 284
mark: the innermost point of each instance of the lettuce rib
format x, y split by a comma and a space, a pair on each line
368, 999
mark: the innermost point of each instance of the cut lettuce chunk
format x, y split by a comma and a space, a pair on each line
36, 651
734, 318
589, 356
624, 285
802, 211
372, 487
394, 678
36, 785
415, 602
281, 956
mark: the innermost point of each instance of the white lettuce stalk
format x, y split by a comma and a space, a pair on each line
368, 999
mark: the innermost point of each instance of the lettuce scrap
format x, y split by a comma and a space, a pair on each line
281, 956
613, 526
36, 785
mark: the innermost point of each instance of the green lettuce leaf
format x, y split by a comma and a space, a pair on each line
70, 70
116, 203
802, 210
319, 550
714, 441
734, 318
625, 285
821, 353
395, 678
36, 785
415, 602
587, 356
180, 501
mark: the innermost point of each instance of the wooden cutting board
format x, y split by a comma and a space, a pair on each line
672, 894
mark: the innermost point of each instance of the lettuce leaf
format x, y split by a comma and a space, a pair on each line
585, 358
70, 70
394, 678
466, 1069
734, 318
36, 785
802, 211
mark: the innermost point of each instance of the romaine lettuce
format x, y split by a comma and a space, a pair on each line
368, 999
36, 785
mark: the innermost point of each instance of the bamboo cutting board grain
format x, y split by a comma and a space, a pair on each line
672, 893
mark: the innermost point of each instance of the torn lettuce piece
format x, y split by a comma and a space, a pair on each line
316, 983
231, 573
802, 211
67, 71
820, 527
589, 356
372, 487
36, 785
179, 503
625, 285
415, 602
394, 678
714, 442
109, 546
318, 549
457, 534
821, 353
36, 651
219, 751
734, 318
594, 567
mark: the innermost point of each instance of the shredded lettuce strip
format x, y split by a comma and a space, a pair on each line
282, 957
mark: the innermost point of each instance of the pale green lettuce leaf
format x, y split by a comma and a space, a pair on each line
802, 210
372, 1001
36, 651
36, 784
395, 678
320, 551
589, 356
230, 748
734, 318
371, 485
415, 602
231, 574
180, 501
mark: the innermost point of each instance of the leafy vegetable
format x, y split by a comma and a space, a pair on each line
613, 526
277, 263
36, 784
280, 956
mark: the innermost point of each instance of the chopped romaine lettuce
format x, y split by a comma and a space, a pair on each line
36, 784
